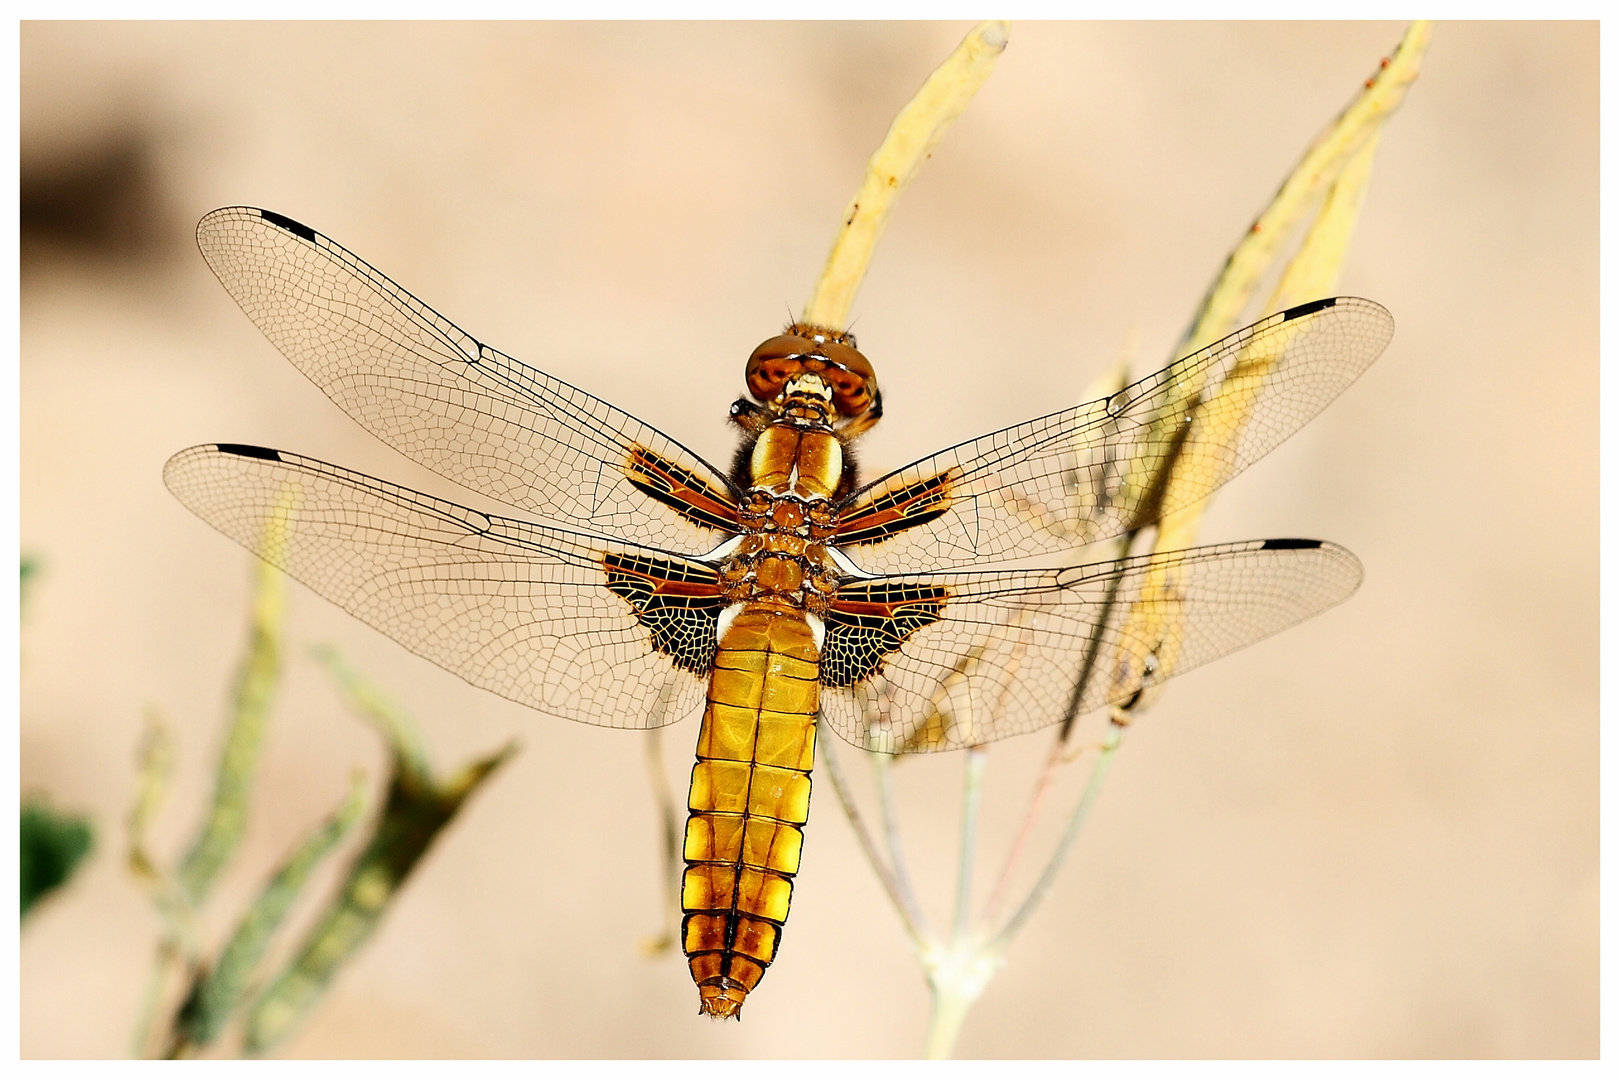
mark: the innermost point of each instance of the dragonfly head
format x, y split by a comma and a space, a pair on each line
812, 360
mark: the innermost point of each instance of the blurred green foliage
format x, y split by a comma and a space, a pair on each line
204, 991
219, 990
51, 848
418, 807
30, 571
51, 844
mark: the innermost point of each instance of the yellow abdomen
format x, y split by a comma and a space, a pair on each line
750, 796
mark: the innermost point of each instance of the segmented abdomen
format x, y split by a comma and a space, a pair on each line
750, 796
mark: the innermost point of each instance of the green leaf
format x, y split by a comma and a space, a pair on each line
218, 991
417, 810
30, 571
256, 683
52, 846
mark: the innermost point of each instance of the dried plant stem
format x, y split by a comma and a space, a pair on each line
1314, 272
883, 775
417, 807
1105, 385
899, 889
1334, 173
951, 1003
1321, 167
974, 760
1026, 829
177, 894
256, 683
220, 989
912, 137
958, 973
167, 964
1082, 809
414, 813
175, 958
1332, 176
397, 729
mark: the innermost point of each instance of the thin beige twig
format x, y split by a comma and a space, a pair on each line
899, 893
888, 813
912, 137
975, 760
1321, 166
1099, 772
1026, 829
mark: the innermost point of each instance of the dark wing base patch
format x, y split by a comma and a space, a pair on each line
868, 622
678, 605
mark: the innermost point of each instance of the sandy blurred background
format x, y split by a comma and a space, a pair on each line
1375, 835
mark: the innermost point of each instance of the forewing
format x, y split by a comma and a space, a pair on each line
1098, 470
574, 625
439, 396
942, 661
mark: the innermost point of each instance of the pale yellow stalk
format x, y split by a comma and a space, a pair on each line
911, 138
1323, 165
1340, 161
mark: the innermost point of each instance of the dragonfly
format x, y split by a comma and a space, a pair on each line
637, 585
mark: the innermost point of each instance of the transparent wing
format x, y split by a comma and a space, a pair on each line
942, 661
1098, 470
573, 625
439, 396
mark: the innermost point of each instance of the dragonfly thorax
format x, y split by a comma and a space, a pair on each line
784, 557
797, 458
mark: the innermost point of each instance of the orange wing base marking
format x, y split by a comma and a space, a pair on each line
682, 490
915, 504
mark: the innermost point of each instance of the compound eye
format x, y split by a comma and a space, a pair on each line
852, 379
842, 381
849, 391
854, 402
848, 358
774, 363
767, 380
